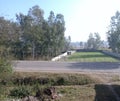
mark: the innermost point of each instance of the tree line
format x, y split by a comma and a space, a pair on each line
93, 42
113, 36
31, 36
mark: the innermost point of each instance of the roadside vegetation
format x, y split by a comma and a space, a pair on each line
69, 86
24, 84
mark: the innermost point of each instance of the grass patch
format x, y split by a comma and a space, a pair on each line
97, 92
70, 86
77, 93
53, 79
24, 84
90, 57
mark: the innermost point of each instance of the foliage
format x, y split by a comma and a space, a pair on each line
5, 64
68, 46
32, 36
94, 41
114, 33
5, 69
19, 92
36, 89
53, 80
95, 88
40, 37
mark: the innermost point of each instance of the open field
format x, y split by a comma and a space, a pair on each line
90, 57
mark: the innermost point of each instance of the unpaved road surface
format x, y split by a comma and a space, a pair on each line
48, 66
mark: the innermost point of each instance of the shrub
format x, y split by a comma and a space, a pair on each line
61, 81
20, 92
5, 68
30, 81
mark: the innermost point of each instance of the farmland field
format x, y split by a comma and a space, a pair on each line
90, 57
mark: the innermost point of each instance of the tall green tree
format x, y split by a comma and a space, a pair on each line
8, 35
31, 28
23, 44
56, 33
114, 33
52, 30
59, 35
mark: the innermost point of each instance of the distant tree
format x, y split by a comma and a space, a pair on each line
114, 33
98, 41
69, 42
67, 45
94, 41
81, 43
90, 41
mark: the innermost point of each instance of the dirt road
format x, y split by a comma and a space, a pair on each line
66, 66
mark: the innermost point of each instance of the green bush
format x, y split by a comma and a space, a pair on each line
5, 68
61, 81
20, 92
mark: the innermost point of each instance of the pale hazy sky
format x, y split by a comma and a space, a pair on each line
82, 17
